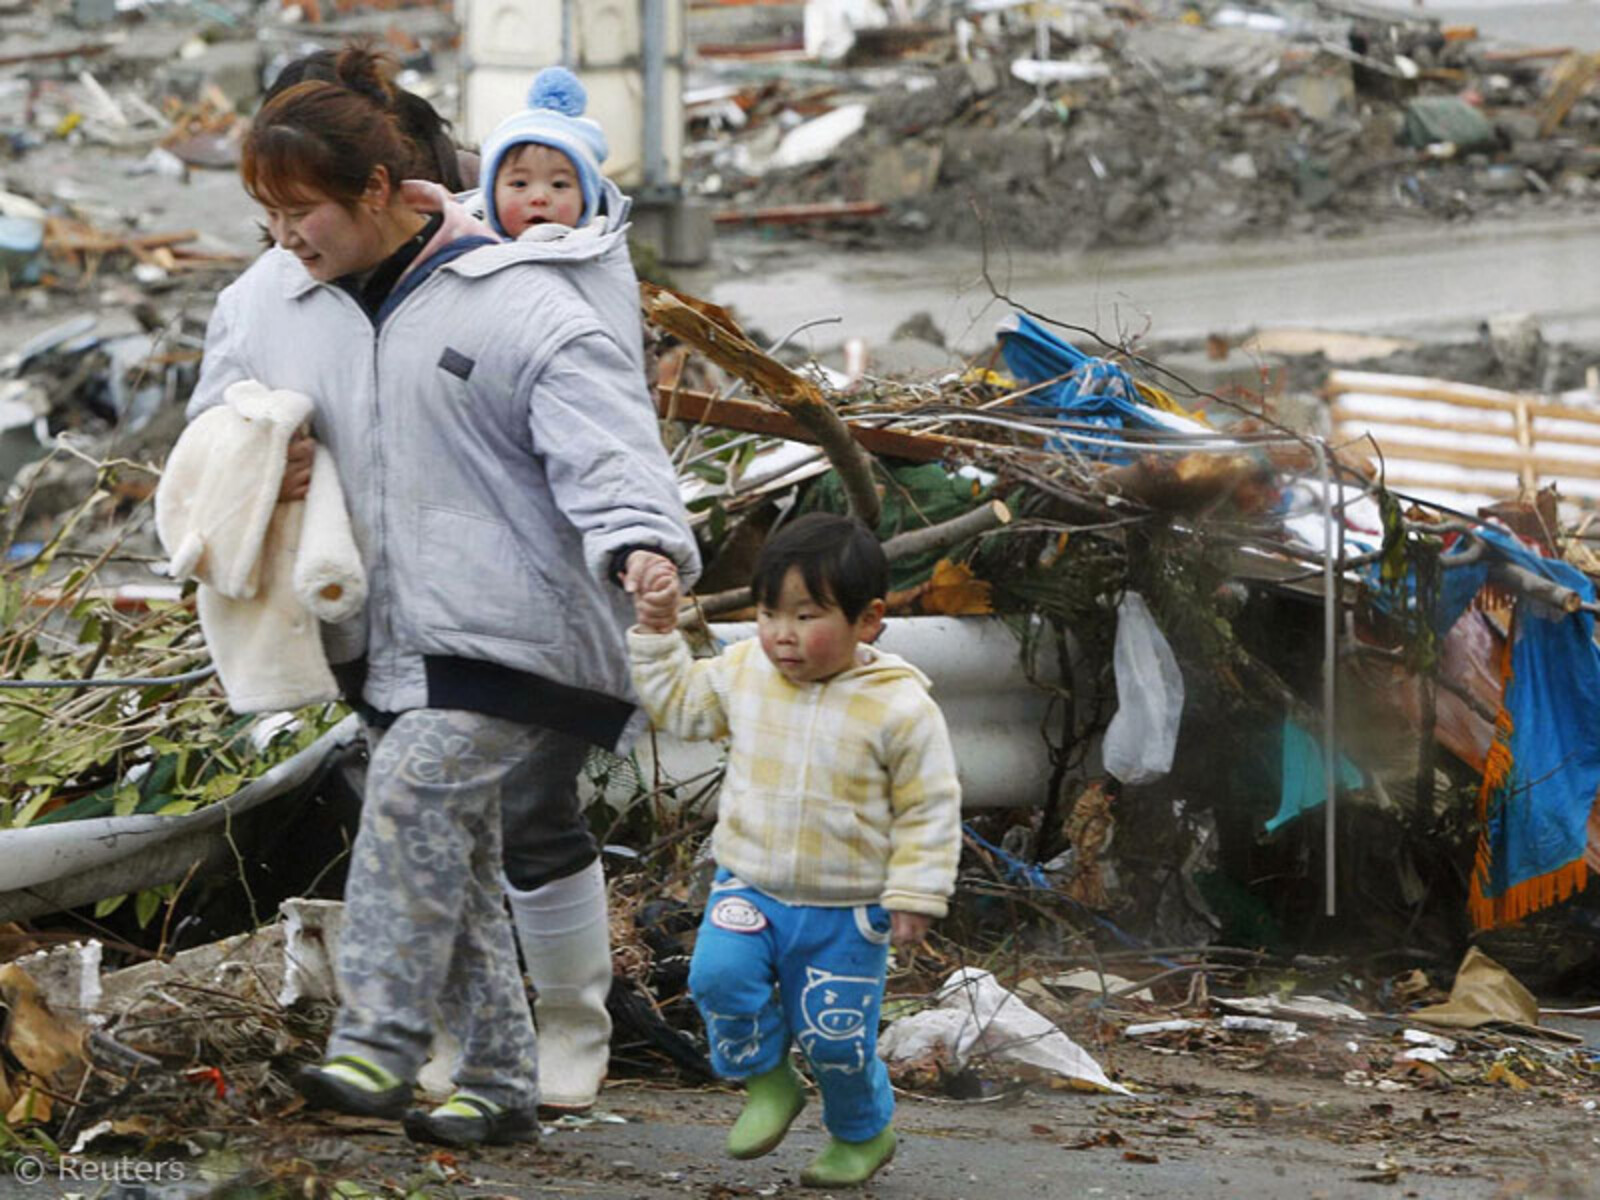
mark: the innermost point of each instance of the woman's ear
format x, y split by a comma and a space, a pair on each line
379, 189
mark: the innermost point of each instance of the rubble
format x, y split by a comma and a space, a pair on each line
1042, 485
1157, 126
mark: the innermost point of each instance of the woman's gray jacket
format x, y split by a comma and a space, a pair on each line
499, 454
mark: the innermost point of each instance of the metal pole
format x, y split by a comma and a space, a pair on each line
653, 18
569, 34
1330, 652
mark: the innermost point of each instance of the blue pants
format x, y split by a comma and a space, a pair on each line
827, 966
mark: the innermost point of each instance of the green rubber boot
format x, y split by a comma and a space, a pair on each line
846, 1164
772, 1101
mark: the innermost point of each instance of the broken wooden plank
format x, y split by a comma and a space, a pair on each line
704, 409
794, 214
84, 50
77, 238
1526, 54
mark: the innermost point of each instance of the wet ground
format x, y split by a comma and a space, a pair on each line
1428, 281
1194, 1129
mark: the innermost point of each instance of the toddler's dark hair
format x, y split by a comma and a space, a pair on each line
840, 561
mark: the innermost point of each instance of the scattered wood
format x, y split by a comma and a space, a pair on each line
794, 214
1513, 439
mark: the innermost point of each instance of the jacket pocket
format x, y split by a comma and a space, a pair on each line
476, 579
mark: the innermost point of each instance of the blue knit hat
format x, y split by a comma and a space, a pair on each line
554, 117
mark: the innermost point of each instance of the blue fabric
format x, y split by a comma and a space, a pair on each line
1096, 392
829, 976
1303, 786
1540, 823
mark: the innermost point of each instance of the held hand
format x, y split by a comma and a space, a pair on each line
297, 468
652, 580
908, 929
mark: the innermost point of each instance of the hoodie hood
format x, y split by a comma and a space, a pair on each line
879, 666
607, 231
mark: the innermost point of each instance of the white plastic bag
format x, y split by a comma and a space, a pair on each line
1141, 739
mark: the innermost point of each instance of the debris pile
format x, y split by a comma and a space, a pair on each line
1074, 126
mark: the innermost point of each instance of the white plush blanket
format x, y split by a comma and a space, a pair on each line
268, 571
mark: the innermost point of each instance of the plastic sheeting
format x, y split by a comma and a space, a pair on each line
975, 1016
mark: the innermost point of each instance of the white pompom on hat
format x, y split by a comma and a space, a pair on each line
554, 117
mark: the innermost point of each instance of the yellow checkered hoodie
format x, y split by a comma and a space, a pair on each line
837, 793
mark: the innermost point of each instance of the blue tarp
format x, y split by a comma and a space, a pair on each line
1096, 390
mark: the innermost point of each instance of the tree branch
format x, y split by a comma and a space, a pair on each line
795, 394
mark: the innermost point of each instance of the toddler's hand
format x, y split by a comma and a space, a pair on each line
297, 468
652, 580
907, 928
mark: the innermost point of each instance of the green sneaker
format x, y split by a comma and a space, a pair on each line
468, 1120
351, 1084
772, 1101
846, 1164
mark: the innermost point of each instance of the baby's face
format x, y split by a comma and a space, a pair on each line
536, 185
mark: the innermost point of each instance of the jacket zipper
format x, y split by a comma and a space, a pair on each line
390, 591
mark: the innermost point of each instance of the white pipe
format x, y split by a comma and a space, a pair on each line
998, 718
1330, 654
47, 868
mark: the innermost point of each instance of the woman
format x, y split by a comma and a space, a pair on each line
507, 487
553, 874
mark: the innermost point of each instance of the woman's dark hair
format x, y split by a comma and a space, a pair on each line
840, 562
436, 155
321, 138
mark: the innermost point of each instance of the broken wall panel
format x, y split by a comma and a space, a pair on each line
1462, 445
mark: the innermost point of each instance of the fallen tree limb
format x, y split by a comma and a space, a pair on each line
906, 545
795, 394
947, 533
1525, 583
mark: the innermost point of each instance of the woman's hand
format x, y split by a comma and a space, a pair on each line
908, 928
297, 468
652, 580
